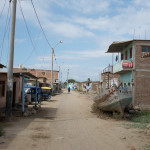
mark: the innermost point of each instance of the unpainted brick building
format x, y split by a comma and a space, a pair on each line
134, 70
40, 73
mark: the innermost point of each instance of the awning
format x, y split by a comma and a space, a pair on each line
118, 46
25, 74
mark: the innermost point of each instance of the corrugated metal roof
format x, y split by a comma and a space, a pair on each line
119, 46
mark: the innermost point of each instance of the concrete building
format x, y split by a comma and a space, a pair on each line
134, 70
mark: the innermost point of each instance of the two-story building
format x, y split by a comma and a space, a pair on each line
134, 70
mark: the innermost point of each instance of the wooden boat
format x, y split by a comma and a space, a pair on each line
114, 101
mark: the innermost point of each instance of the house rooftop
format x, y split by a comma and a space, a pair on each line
27, 69
17, 74
118, 46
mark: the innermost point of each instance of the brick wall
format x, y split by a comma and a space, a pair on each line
141, 63
142, 88
112, 78
95, 86
40, 73
142, 77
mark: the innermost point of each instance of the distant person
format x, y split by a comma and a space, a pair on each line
129, 89
125, 88
120, 88
69, 89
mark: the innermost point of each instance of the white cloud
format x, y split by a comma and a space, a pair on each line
68, 29
88, 54
77, 55
84, 6
141, 3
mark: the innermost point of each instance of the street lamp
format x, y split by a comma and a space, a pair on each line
52, 65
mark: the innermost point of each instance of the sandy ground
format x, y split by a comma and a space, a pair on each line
66, 123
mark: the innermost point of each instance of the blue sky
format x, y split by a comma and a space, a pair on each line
86, 27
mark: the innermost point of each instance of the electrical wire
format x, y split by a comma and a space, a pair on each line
40, 24
28, 31
5, 32
2, 9
7, 51
26, 25
43, 30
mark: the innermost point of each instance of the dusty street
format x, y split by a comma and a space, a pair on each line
66, 123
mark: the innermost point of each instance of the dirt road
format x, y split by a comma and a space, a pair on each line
66, 123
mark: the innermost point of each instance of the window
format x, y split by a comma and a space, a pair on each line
43, 73
121, 56
126, 55
2, 88
130, 52
145, 48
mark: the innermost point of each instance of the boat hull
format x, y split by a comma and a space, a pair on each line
115, 105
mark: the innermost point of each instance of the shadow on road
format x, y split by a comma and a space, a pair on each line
19, 124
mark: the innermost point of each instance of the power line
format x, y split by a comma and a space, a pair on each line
2, 9
8, 41
5, 31
43, 29
40, 24
34, 48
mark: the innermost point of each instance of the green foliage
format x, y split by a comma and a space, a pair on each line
1, 131
143, 117
147, 147
137, 125
139, 120
89, 79
65, 83
71, 81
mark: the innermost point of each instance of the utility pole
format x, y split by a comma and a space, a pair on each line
52, 65
61, 77
9, 94
67, 77
59, 74
52, 72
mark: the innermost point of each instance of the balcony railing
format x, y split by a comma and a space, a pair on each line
108, 69
124, 65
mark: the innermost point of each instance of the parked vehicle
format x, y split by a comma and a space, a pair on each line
30, 93
46, 93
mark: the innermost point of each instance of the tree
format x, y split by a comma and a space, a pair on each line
88, 81
71, 81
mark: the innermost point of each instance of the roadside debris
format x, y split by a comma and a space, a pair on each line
148, 130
